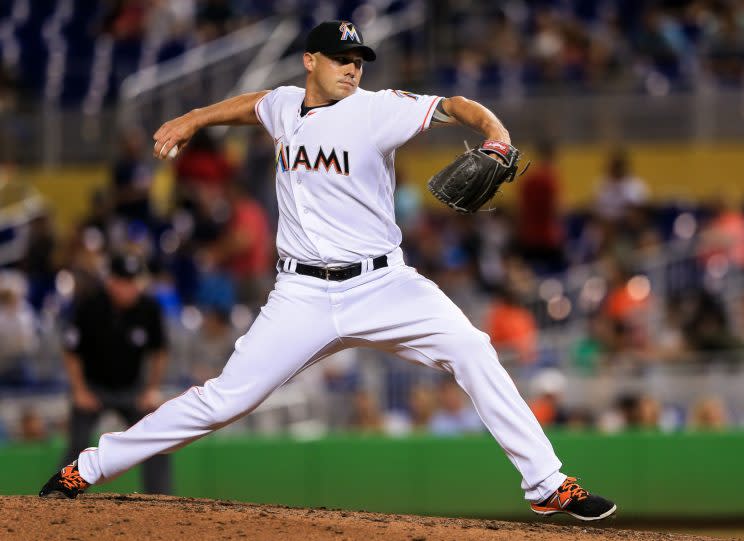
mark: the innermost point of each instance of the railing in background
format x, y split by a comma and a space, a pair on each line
201, 75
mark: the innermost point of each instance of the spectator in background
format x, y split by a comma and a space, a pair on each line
125, 19
707, 328
669, 341
629, 307
619, 190
592, 240
547, 46
336, 379
245, 247
111, 335
539, 229
421, 405
456, 272
425, 248
200, 274
590, 350
132, 179
216, 287
99, 214
468, 71
632, 412
84, 257
162, 288
256, 175
212, 345
548, 387
512, 327
366, 416
726, 47
519, 277
202, 163
18, 331
39, 261
722, 238
407, 198
454, 416
214, 19
169, 20
494, 236
580, 419
709, 413
32, 428
658, 41
417, 417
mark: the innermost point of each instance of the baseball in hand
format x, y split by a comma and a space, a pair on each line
173, 152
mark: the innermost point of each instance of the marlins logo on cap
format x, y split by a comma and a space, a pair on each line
348, 32
336, 37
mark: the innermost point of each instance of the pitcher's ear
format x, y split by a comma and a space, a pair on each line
309, 60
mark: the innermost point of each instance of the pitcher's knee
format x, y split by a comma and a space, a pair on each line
470, 346
221, 407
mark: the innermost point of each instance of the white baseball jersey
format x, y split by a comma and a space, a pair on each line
335, 172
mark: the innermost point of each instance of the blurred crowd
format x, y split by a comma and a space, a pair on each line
55, 50
555, 46
444, 410
620, 287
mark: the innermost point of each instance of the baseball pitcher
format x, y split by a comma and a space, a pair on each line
342, 280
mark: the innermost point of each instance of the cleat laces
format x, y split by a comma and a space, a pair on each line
571, 489
71, 478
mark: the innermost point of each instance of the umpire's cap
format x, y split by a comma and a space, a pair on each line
332, 37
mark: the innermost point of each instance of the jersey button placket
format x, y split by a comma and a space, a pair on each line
295, 179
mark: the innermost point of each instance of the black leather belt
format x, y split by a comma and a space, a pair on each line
337, 273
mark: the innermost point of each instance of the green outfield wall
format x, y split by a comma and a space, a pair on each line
651, 476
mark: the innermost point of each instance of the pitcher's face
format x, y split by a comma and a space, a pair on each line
336, 75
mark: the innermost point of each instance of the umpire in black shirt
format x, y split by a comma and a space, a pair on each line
111, 334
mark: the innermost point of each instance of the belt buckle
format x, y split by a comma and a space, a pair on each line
329, 270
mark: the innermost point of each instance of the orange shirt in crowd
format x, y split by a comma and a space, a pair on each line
725, 236
622, 306
513, 327
544, 410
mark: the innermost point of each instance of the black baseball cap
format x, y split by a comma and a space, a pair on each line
128, 266
333, 37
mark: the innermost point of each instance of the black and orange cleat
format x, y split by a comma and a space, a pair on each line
67, 482
571, 499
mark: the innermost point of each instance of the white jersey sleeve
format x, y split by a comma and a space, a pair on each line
269, 107
396, 116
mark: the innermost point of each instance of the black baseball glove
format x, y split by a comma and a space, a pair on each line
475, 176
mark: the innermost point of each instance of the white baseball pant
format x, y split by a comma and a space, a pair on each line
306, 319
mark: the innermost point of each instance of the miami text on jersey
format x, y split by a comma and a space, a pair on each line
299, 158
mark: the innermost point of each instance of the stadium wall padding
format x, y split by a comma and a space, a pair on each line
650, 476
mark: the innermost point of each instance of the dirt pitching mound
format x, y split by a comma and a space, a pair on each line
118, 517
